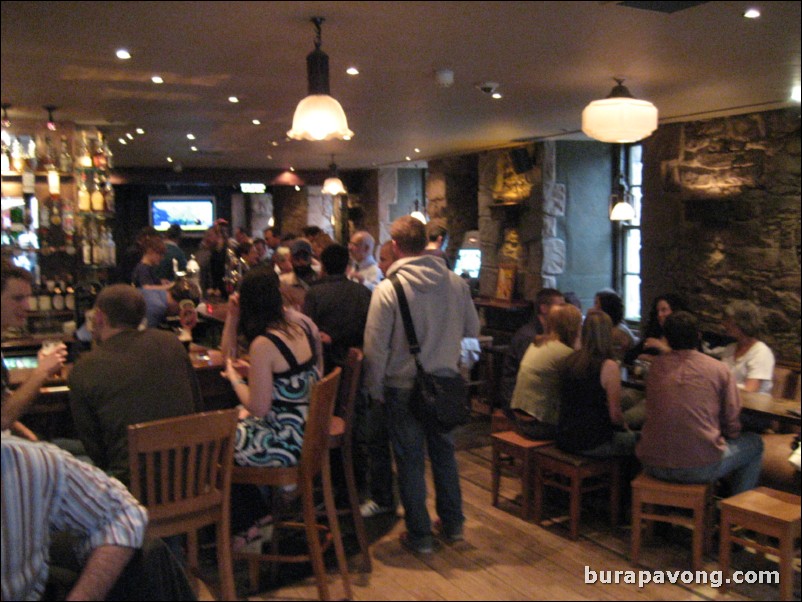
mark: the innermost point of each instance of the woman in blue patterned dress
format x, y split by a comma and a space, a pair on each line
285, 362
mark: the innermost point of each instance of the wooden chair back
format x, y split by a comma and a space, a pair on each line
318, 421
349, 387
181, 469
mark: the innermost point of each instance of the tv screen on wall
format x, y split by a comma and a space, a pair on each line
195, 214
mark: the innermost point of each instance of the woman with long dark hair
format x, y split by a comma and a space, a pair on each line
285, 361
591, 422
653, 341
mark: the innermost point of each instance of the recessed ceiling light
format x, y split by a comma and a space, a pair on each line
122, 141
292, 168
157, 79
752, 13
140, 131
129, 135
270, 156
346, 137
169, 159
352, 71
233, 99
123, 54
194, 149
190, 136
417, 150
273, 143
408, 158
496, 95
297, 188
256, 122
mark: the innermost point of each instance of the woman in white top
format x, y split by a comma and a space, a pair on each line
750, 360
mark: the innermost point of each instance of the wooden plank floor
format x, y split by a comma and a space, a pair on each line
507, 558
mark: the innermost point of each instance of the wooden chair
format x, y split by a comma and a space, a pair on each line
314, 461
768, 512
341, 438
655, 500
181, 471
518, 449
568, 472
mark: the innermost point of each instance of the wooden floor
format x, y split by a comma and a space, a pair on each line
506, 558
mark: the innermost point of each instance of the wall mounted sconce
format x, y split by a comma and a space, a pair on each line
619, 118
319, 116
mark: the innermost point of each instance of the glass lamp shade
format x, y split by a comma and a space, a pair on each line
333, 186
622, 212
418, 215
319, 117
619, 120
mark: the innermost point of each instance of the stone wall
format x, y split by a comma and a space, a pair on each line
721, 219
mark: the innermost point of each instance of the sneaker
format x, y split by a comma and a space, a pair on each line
371, 508
425, 546
450, 536
250, 541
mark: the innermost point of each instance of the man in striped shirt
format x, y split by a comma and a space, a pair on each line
46, 491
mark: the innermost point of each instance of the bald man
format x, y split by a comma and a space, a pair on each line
363, 268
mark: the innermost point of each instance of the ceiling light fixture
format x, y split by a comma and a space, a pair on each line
752, 13
319, 116
123, 54
51, 123
6, 120
157, 79
418, 214
621, 207
619, 118
352, 71
333, 184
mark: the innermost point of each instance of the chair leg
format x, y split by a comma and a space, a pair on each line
699, 537
192, 560
353, 502
313, 538
725, 549
495, 476
636, 528
786, 547
334, 527
538, 509
615, 493
526, 485
576, 504
225, 567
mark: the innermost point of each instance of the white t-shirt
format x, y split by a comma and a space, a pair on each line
757, 362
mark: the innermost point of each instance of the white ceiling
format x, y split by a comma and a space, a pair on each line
550, 59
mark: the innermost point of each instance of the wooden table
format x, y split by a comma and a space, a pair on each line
763, 404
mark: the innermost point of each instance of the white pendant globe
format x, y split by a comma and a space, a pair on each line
333, 186
319, 117
619, 120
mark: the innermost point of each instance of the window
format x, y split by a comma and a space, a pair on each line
629, 239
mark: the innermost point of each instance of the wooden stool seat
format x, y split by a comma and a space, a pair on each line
648, 491
522, 450
568, 472
769, 512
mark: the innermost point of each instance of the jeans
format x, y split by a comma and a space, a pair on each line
408, 437
740, 465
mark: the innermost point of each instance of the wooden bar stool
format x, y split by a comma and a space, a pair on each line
648, 492
521, 450
568, 472
769, 512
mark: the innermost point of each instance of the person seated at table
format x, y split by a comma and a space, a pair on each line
179, 300
750, 359
653, 342
591, 422
693, 429
130, 376
523, 337
16, 288
537, 387
285, 361
610, 302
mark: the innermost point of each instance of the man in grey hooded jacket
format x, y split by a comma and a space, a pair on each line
442, 313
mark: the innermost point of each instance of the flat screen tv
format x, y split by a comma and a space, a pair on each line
469, 261
195, 214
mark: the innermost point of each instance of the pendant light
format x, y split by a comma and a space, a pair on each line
51, 123
418, 214
333, 184
622, 209
319, 116
619, 118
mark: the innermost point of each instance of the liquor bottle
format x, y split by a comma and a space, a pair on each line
69, 297
110, 196
99, 156
47, 160
84, 198
109, 154
30, 155
17, 162
84, 158
111, 249
44, 299
86, 249
97, 247
65, 163
97, 201
58, 297
5, 158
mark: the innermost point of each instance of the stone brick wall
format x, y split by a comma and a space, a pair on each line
721, 219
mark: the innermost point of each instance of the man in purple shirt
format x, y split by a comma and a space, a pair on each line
693, 431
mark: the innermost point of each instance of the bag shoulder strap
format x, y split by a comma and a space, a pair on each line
409, 328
